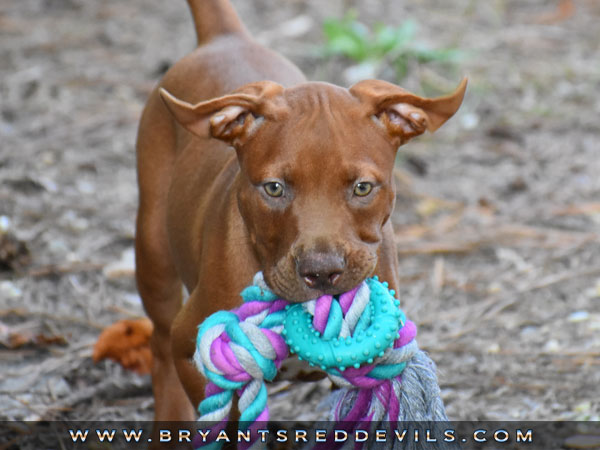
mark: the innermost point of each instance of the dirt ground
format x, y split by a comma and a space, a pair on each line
497, 216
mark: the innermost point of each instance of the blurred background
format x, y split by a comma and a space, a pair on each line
497, 218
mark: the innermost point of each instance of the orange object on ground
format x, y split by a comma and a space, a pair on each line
128, 343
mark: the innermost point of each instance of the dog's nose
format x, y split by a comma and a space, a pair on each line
321, 270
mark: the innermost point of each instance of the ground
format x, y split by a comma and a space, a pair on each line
497, 214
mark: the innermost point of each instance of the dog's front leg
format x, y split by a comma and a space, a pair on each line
183, 346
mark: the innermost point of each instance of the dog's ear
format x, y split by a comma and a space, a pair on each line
232, 118
405, 115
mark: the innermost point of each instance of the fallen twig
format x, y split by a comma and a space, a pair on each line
107, 388
429, 241
489, 307
57, 270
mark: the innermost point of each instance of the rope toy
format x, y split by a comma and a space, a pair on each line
361, 339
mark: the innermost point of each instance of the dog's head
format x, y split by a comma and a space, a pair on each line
316, 185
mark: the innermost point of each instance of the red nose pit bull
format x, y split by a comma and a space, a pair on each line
243, 166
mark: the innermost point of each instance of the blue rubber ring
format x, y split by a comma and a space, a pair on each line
340, 353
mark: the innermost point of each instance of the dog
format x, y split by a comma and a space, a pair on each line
244, 166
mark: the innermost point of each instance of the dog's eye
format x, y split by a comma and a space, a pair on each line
363, 189
273, 189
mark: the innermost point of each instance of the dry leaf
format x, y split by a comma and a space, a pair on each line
123, 268
411, 233
26, 335
14, 254
428, 206
564, 10
438, 277
128, 343
580, 209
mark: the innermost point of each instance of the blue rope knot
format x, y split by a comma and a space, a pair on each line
361, 338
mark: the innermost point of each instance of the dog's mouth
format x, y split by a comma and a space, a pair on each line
314, 294
308, 294
294, 288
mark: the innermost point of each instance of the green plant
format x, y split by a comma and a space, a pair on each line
384, 45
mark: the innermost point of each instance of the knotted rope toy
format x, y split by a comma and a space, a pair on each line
361, 339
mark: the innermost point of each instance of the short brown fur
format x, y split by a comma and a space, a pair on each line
234, 117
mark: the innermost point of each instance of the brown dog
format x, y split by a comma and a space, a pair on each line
242, 174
